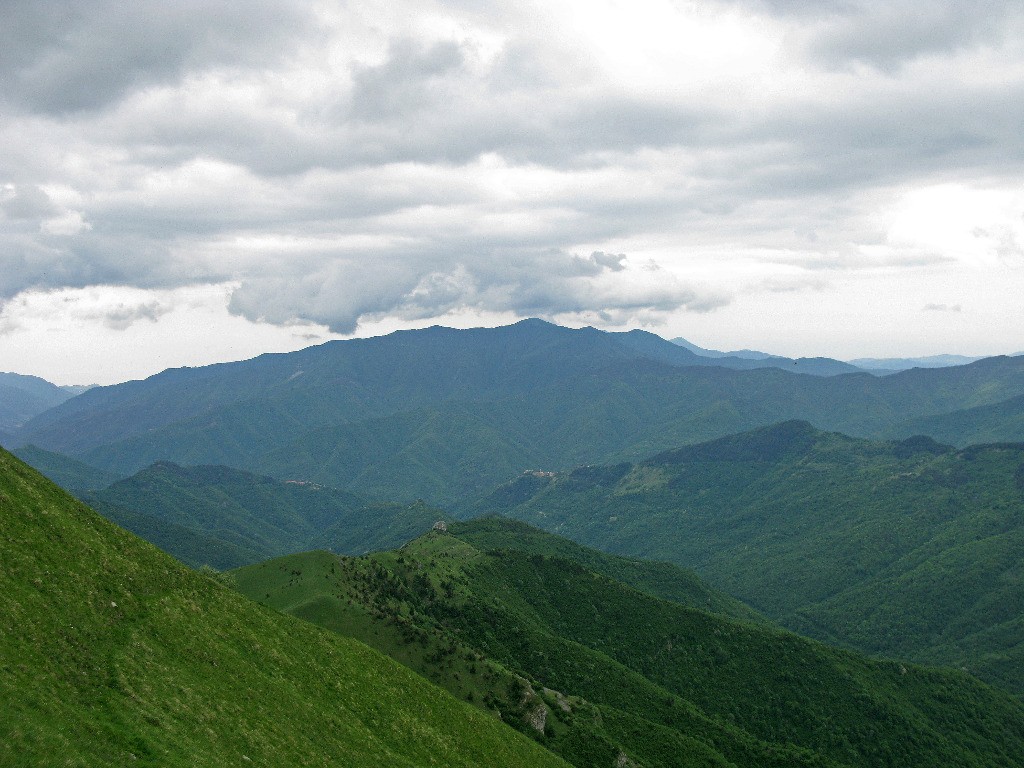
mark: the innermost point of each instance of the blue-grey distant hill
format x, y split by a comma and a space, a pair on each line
22, 397
441, 414
225, 518
748, 354
70, 474
745, 359
994, 423
827, 366
893, 364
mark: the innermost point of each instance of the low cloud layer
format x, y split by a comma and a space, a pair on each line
345, 164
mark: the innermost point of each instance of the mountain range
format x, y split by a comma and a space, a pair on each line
890, 364
908, 549
877, 365
225, 517
856, 509
442, 414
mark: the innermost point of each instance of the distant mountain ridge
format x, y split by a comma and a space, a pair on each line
441, 414
22, 397
904, 363
741, 360
995, 423
749, 354
872, 364
70, 474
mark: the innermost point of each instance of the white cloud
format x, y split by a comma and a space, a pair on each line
977, 226
67, 224
107, 334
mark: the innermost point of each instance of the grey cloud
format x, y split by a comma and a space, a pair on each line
806, 167
795, 284
123, 316
8, 325
887, 34
426, 104
403, 83
49, 262
27, 201
336, 292
60, 56
440, 103
342, 292
1002, 241
566, 131
853, 259
827, 148
702, 303
612, 261
393, 159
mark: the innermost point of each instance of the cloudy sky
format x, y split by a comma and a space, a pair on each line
204, 180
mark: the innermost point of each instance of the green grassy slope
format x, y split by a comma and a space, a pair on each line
113, 654
909, 548
188, 545
70, 474
599, 671
225, 517
377, 600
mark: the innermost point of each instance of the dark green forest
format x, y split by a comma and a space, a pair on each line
591, 667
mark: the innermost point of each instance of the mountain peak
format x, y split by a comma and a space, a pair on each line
533, 322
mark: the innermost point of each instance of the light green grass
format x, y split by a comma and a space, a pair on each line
114, 654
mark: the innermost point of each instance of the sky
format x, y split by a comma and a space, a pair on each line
206, 180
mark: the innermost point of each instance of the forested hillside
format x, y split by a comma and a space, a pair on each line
908, 548
224, 517
603, 673
440, 414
